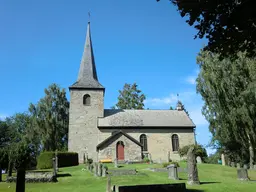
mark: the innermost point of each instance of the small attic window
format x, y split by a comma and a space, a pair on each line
87, 99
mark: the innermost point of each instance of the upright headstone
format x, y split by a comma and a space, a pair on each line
20, 183
172, 172
238, 166
192, 168
99, 169
242, 174
223, 159
0, 173
198, 160
116, 163
56, 160
254, 167
54, 167
104, 171
232, 164
245, 166
95, 169
108, 184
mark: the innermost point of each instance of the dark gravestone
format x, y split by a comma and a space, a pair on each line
172, 172
242, 174
99, 169
175, 187
192, 168
20, 183
10, 166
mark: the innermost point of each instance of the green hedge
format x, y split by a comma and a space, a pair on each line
65, 159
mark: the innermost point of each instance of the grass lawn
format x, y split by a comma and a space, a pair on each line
214, 178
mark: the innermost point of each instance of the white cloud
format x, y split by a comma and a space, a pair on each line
2, 116
191, 80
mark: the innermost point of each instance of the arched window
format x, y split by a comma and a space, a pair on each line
175, 142
87, 99
143, 141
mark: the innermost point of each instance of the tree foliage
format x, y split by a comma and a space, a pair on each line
50, 118
180, 105
229, 26
130, 97
228, 88
199, 151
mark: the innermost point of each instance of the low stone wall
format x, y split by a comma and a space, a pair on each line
35, 177
118, 172
180, 170
177, 187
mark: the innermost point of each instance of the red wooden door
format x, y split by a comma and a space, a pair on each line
120, 150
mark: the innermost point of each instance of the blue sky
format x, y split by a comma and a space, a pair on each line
146, 42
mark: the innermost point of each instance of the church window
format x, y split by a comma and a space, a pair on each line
175, 142
143, 141
87, 99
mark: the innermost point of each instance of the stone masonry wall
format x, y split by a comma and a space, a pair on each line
159, 140
132, 151
83, 131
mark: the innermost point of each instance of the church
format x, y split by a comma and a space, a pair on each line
126, 135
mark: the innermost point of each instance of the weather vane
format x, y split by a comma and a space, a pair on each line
89, 16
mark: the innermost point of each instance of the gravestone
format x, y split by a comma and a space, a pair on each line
223, 159
99, 169
242, 174
245, 166
254, 167
116, 163
20, 182
172, 172
95, 167
232, 164
54, 167
56, 160
198, 160
192, 168
108, 184
238, 166
104, 171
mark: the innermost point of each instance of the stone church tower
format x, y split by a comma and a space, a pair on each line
86, 105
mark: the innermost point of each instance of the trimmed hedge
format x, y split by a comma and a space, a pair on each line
65, 159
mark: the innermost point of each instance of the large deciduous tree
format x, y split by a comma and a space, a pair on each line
229, 26
130, 97
50, 118
228, 88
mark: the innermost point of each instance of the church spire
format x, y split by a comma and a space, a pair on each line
87, 76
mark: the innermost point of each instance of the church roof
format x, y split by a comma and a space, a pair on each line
115, 136
87, 77
145, 118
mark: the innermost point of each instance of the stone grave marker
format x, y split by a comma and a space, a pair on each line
192, 168
198, 160
56, 160
254, 167
245, 166
54, 167
223, 159
108, 184
95, 169
116, 163
99, 169
104, 171
242, 174
238, 166
172, 172
232, 164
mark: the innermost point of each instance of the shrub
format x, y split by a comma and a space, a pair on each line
199, 151
170, 163
65, 159
146, 160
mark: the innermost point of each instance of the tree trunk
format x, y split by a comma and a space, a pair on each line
20, 183
0, 173
251, 152
10, 166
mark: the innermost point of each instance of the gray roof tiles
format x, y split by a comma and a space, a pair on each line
87, 77
144, 118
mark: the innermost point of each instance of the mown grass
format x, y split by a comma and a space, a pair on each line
213, 177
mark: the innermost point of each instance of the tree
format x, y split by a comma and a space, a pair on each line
171, 108
229, 26
130, 97
228, 89
50, 118
199, 151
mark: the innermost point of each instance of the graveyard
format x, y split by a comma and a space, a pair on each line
212, 177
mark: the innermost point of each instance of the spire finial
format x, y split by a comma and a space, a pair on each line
89, 16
